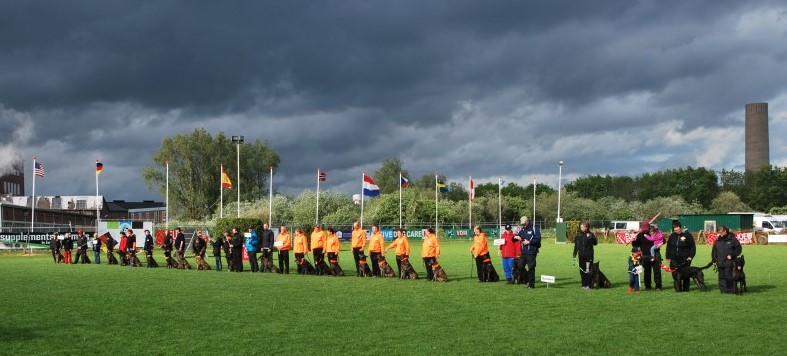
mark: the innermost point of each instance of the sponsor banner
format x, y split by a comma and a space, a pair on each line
388, 234
777, 239
624, 237
36, 238
453, 234
745, 238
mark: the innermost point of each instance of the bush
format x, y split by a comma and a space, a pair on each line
241, 223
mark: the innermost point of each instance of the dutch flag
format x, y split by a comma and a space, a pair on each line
369, 188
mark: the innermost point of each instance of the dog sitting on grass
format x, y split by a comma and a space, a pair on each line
111, 258
738, 276
598, 278
267, 265
385, 269
488, 269
336, 270
183, 264
408, 272
439, 273
322, 268
201, 264
364, 270
151, 262
306, 267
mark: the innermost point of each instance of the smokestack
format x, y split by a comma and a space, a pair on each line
757, 146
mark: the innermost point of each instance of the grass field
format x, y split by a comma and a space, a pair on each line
61, 309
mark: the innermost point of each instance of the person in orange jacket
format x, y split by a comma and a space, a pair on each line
430, 252
300, 247
402, 245
332, 245
318, 244
376, 248
480, 251
284, 250
358, 244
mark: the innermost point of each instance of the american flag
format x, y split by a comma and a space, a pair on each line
39, 169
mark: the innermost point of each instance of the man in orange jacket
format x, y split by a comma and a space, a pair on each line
300, 248
430, 252
284, 244
480, 251
318, 244
358, 244
402, 245
376, 248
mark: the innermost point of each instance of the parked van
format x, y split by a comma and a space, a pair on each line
624, 225
766, 222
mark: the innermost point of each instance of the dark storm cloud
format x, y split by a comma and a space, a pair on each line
457, 87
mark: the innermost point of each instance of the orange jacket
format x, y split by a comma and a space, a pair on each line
300, 244
358, 239
377, 243
318, 239
480, 245
431, 247
332, 245
402, 245
286, 242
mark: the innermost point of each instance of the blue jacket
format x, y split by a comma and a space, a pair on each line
532, 234
252, 242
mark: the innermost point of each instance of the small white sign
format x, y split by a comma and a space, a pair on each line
247, 235
547, 279
278, 244
777, 238
499, 242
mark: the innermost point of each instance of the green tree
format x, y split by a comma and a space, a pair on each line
387, 177
194, 161
726, 202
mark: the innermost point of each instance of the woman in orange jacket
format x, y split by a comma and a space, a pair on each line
480, 251
402, 245
430, 252
332, 245
285, 244
300, 248
376, 248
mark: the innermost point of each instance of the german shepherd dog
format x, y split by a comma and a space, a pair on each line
306, 267
488, 269
322, 268
201, 264
267, 265
439, 273
519, 275
151, 262
170, 261
336, 270
364, 270
738, 276
694, 272
60, 258
111, 258
385, 269
183, 264
598, 279
408, 272
133, 261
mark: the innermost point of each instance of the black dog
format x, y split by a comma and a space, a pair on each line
306, 267
365, 271
322, 268
336, 270
738, 276
385, 269
267, 265
694, 272
599, 280
171, 262
488, 269
519, 274
111, 258
151, 262
408, 272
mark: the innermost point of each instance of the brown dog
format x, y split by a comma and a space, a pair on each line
201, 264
336, 270
408, 272
365, 271
439, 273
385, 269
267, 265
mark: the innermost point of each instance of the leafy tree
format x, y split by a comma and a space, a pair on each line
727, 202
387, 177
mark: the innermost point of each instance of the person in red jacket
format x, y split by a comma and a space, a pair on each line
510, 251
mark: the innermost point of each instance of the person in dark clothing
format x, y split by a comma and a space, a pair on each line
266, 243
54, 245
529, 238
81, 248
228, 250
68, 245
148, 248
217, 244
237, 250
180, 244
583, 248
96, 249
680, 251
199, 246
168, 245
726, 249
650, 265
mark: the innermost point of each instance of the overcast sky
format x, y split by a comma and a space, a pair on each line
487, 88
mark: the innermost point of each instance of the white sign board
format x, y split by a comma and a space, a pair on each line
548, 280
499, 242
777, 239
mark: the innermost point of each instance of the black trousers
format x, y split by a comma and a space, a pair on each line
255, 267
479, 267
318, 255
683, 265
237, 258
725, 279
357, 253
530, 269
218, 262
428, 261
298, 258
399, 264
375, 263
584, 271
284, 262
654, 268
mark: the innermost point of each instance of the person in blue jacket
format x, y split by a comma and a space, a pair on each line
251, 247
529, 239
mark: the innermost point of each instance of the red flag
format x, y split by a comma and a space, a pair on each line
472, 189
322, 176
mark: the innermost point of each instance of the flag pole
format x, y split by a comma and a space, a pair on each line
363, 176
435, 204
221, 191
98, 213
400, 199
32, 206
470, 203
166, 210
534, 202
317, 214
499, 205
270, 200
237, 184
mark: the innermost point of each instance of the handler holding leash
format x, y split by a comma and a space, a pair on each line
680, 251
358, 244
300, 249
726, 249
284, 250
376, 248
530, 241
480, 251
430, 252
583, 247
402, 245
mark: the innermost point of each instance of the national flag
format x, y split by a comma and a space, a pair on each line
39, 169
99, 167
441, 187
322, 176
225, 179
403, 182
472, 189
369, 188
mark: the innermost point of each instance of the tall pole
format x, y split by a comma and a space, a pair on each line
400, 199
238, 182
435, 204
33, 202
363, 177
166, 204
559, 181
534, 202
221, 190
499, 205
98, 214
470, 203
270, 200
317, 214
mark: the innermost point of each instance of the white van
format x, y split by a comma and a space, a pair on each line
766, 222
624, 225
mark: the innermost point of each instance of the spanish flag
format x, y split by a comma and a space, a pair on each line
99, 167
225, 179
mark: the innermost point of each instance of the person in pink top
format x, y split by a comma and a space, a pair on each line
657, 237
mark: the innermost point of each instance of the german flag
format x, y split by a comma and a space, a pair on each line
99, 167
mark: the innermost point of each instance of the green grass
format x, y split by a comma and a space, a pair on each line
60, 309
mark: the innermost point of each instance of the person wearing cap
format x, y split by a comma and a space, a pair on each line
480, 252
402, 245
510, 251
358, 244
218, 244
376, 248
318, 239
430, 251
252, 242
583, 248
300, 247
96, 249
651, 265
284, 250
68, 245
237, 250
680, 251
529, 239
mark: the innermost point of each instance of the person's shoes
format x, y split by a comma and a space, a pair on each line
658, 289
631, 290
529, 287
